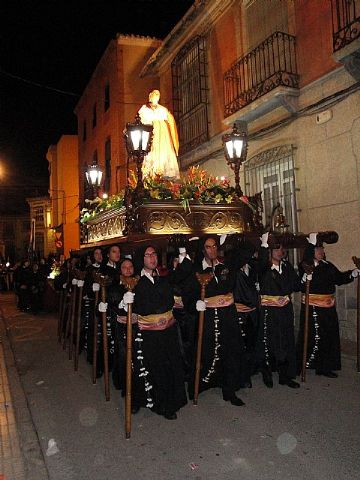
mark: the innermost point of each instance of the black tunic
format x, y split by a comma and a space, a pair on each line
323, 353
245, 292
223, 346
157, 351
276, 329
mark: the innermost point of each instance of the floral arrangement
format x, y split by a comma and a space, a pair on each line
99, 205
196, 185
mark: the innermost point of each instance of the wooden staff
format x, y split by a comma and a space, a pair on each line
80, 276
95, 337
203, 279
105, 281
308, 270
356, 260
63, 296
70, 320
129, 283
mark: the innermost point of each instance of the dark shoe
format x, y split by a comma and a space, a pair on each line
289, 382
327, 374
247, 384
170, 416
234, 400
267, 378
135, 409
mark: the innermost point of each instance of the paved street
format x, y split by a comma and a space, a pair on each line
310, 433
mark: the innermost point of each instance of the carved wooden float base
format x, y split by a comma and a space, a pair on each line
168, 218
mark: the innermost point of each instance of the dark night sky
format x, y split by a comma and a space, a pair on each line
58, 43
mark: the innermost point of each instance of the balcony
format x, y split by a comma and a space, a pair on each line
346, 34
270, 65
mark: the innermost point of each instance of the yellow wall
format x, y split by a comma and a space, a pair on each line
64, 189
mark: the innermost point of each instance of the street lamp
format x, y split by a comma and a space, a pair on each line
235, 148
138, 138
94, 175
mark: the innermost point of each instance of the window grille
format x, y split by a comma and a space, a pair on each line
272, 173
190, 94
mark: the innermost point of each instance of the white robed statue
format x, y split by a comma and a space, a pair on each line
162, 158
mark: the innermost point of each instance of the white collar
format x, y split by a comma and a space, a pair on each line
205, 264
277, 267
317, 262
246, 269
111, 264
96, 265
148, 275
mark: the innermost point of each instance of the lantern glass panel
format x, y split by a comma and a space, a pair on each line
145, 140
238, 145
135, 139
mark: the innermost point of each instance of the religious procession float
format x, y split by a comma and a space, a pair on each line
171, 211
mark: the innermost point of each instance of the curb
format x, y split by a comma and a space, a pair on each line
32, 456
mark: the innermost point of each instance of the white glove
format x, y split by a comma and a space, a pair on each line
128, 297
222, 238
64, 285
96, 287
312, 238
264, 239
80, 283
74, 281
355, 273
183, 254
102, 307
200, 306
306, 277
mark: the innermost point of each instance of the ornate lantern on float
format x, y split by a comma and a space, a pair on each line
94, 175
138, 138
235, 148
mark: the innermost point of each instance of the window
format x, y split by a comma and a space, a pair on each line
106, 97
39, 214
94, 119
272, 173
84, 131
107, 165
189, 76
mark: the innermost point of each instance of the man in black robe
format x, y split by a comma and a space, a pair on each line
276, 343
323, 353
223, 347
247, 302
158, 352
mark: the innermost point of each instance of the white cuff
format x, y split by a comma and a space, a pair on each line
96, 287
102, 307
80, 283
312, 238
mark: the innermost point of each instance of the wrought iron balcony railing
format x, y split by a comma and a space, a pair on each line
269, 65
346, 22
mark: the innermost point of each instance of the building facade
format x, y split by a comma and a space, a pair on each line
42, 236
14, 237
111, 99
290, 71
64, 193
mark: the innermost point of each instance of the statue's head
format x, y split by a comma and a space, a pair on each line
154, 96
